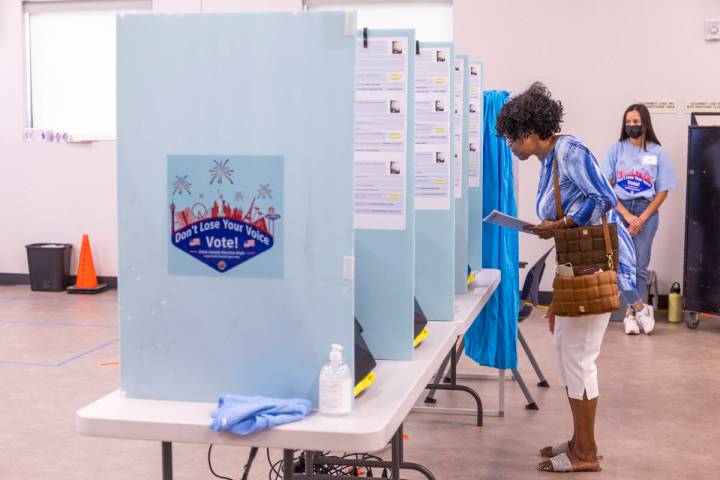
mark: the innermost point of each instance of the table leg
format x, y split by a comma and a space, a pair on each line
501, 392
430, 398
396, 454
288, 465
458, 353
167, 467
478, 412
309, 463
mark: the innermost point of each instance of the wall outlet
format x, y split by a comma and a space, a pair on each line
712, 30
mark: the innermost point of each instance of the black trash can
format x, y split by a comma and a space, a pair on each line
49, 266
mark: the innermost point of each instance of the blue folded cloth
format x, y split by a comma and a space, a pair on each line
244, 415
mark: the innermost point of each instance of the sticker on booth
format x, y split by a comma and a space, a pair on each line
225, 215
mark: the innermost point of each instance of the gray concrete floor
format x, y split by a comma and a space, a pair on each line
658, 412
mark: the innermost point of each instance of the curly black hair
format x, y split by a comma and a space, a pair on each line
533, 111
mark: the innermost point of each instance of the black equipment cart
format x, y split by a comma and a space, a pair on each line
702, 222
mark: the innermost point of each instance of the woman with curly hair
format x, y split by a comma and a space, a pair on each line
531, 122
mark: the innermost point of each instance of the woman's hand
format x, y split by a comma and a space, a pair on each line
546, 228
630, 218
636, 225
550, 315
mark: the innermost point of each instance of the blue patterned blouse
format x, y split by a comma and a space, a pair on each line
585, 195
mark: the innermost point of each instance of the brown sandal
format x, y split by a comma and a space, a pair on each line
562, 464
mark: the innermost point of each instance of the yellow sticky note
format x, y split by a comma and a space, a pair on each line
440, 181
394, 136
439, 80
395, 76
473, 89
439, 131
394, 196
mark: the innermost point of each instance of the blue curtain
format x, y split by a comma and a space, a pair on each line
492, 338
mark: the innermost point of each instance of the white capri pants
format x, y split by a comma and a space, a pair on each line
577, 345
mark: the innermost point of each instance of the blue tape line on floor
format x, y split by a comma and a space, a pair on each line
72, 359
62, 363
54, 298
25, 364
53, 324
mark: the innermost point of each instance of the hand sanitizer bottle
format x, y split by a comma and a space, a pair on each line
335, 385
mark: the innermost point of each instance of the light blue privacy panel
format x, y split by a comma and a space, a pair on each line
461, 195
240, 125
434, 220
385, 259
475, 196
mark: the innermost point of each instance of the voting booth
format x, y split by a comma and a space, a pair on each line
475, 166
462, 155
434, 188
256, 226
384, 215
235, 202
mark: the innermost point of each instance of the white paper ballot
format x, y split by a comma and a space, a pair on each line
503, 220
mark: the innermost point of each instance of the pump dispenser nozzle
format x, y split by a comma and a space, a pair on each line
336, 353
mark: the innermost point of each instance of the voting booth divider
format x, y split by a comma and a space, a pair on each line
235, 202
475, 166
434, 192
384, 215
462, 155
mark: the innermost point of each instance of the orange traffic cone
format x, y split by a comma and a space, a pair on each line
86, 279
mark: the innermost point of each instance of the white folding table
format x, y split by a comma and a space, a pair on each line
375, 420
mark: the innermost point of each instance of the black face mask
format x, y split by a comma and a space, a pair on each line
634, 131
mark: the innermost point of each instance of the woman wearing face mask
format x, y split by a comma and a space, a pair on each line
530, 122
642, 175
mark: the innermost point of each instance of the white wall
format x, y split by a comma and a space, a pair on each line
251, 5
48, 192
55, 193
599, 57
219, 6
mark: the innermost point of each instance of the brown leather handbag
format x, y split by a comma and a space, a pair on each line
591, 249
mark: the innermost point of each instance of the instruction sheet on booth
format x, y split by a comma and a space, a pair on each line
474, 124
459, 109
432, 129
381, 107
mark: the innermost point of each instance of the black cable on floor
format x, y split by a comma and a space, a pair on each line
276, 468
275, 472
211, 468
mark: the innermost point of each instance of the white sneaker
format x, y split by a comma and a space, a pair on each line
646, 319
631, 325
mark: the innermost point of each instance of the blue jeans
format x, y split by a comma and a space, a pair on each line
643, 247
